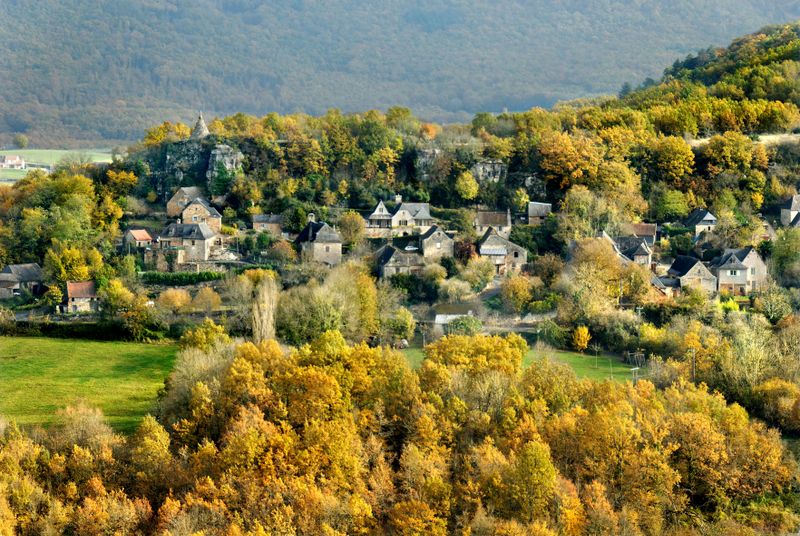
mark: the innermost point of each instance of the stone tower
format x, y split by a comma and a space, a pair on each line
200, 129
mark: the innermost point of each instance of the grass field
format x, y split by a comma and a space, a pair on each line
38, 376
51, 156
607, 365
48, 157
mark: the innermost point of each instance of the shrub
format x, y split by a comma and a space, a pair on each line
465, 325
180, 278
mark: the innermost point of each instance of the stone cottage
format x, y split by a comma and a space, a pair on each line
506, 256
700, 221
191, 242
201, 211
268, 223
500, 221
319, 242
538, 212
181, 199
137, 239
18, 278
691, 272
81, 297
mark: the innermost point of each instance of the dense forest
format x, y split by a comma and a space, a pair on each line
92, 71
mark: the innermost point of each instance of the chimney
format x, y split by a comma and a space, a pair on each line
312, 218
398, 198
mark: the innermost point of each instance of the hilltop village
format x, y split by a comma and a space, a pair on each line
575, 321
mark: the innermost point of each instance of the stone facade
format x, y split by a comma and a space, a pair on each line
181, 199
319, 242
500, 221
691, 272
81, 297
268, 223
200, 211
190, 242
436, 245
506, 256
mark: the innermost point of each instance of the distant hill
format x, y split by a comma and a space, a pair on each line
105, 70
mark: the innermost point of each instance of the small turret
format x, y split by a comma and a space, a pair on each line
200, 129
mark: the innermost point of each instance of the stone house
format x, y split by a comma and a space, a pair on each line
790, 212
268, 223
81, 297
137, 238
500, 221
181, 199
648, 231
691, 272
201, 211
740, 271
404, 220
16, 278
634, 249
506, 256
191, 242
407, 255
319, 242
700, 221
538, 212
435, 244
391, 260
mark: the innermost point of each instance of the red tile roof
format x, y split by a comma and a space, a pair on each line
81, 289
140, 234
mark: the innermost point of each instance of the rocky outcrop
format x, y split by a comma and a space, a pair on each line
489, 171
225, 157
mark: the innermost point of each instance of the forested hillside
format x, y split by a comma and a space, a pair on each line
104, 70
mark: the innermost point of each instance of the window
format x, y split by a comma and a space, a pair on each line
192, 242
733, 272
516, 254
438, 245
327, 249
194, 218
752, 271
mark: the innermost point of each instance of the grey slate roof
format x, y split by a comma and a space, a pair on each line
698, 215
317, 231
539, 210
733, 258
487, 217
492, 243
793, 203
632, 246
268, 218
682, 264
191, 231
203, 201
420, 211
25, 273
